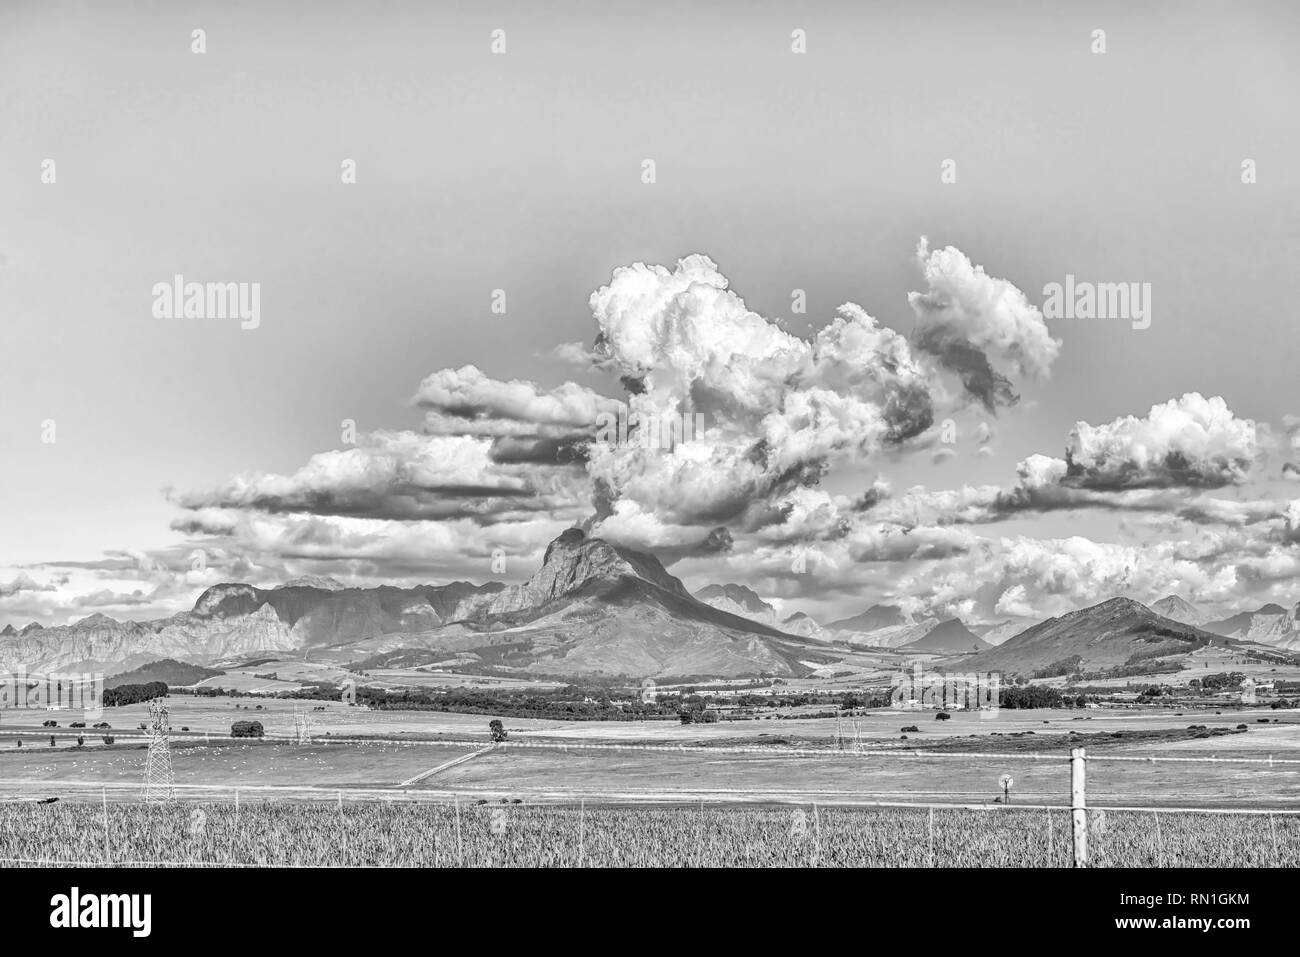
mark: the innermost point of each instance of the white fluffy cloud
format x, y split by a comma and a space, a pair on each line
982, 329
774, 419
468, 400
1190, 441
780, 411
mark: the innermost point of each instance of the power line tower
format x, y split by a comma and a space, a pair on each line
301, 726
159, 782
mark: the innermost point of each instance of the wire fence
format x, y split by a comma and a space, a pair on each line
425, 830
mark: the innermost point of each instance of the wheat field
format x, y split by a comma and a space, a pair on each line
381, 834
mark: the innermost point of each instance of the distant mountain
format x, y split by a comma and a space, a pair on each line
596, 608
1102, 636
234, 619
1179, 610
893, 636
30, 627
738, 600
8, 631
801, 624
998, 632
949, 637
1269, 625
873, 619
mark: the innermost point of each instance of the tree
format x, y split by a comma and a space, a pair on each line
247, 729
850, 702
497, 729
942, 716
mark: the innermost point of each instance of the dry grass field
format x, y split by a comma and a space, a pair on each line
439, 835
376, 788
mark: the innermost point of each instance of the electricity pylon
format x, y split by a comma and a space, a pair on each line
301, 726
159, 782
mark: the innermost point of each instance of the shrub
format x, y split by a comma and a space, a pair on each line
910, 727
247, 729
942, 716
108, 739
497, 729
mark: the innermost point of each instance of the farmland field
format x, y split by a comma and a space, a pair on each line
407, 788
497, 835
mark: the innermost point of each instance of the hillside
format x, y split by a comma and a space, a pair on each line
174, 674
1102, 636
595, 608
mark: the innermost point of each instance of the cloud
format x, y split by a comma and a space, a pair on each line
401, 475
777, 414
983, 330
465, 401
23, 583
780, 411
774, 433
1187, 442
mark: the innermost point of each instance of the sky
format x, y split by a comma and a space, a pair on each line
935, 164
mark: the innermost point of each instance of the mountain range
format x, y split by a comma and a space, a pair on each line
592, 608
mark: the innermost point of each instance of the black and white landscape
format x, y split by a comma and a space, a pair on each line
510, 429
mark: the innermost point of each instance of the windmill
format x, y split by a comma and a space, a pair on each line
159, 782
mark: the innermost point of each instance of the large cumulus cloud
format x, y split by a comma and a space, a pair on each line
781, 411
982, 329
1191, 441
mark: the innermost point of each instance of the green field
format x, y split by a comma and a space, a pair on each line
496, 835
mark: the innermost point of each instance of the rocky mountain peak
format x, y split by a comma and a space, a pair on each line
322, 582
574, 560
740, 595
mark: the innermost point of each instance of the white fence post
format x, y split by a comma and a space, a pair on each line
1079, 806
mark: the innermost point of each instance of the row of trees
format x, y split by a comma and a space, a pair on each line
133, 694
